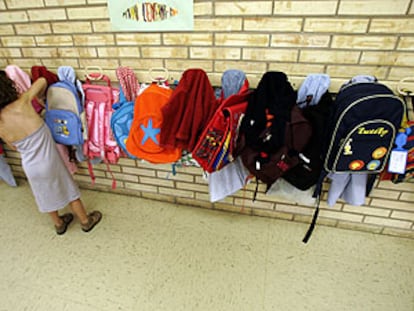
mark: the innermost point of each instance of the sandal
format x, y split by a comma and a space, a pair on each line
93, 219
66, 219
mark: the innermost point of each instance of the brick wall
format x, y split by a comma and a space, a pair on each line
339, 37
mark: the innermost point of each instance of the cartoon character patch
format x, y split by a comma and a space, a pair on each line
379, 153
356, 165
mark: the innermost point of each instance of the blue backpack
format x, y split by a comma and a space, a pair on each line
121, 121
64, 110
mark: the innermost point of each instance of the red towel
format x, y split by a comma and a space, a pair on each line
188, 111
42, 71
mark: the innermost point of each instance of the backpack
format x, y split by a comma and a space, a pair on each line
123, 114
64, 109
363, 123
144, 137
405, 141
216, 144
273, 131
22, 82
100, 144
315, 102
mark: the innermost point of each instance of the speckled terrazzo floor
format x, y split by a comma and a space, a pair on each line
147, 255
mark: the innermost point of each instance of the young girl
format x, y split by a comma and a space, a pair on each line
24, 130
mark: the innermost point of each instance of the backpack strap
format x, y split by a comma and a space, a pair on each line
128, 82
316, 194
408, 96
313, 222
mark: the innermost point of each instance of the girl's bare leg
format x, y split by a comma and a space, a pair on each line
79, 210
56, 219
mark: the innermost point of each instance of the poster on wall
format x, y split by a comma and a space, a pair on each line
163, 15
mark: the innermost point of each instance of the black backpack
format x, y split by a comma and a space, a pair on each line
273, 131
306, 173
363, 123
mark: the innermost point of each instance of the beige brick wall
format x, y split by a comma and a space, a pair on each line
339, 37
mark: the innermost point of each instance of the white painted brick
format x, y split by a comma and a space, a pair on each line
215, 53
364, 42
188, 39
142, 64
406, 44
10, 52
77, 52
33, 29
56, 63
277, 55
407, 196
293, 209
392, 25
177, 193
246, 66
273, 24
336, 25
203, 8
54, 40
88, 13
192, 186
164, 52
387, 58
17, 41
243, 8
94, 40
176, 177
296, 69
140, 187
381, 7
388, 222
182, 65
303, 8
242, 40
329, 56
403, 215
211, 24
381, 212
340, 216
256, 204
18, 4
65, 2
347, 71
299, 40
47, 15
118, 52
397, 187
72, 27
156, 181
125, 177
397, 205
6, 30
13, 17
399, 232
40, 52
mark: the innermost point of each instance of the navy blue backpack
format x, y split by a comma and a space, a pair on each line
364, 121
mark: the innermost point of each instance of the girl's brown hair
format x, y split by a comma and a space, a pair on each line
8, 91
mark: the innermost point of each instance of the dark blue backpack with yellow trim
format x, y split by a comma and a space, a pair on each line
364, 121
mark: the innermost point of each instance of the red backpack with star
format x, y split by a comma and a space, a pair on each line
144, 137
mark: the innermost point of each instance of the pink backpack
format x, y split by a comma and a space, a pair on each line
22, 82
100, 144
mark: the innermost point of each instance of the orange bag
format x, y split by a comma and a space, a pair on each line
144, 137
